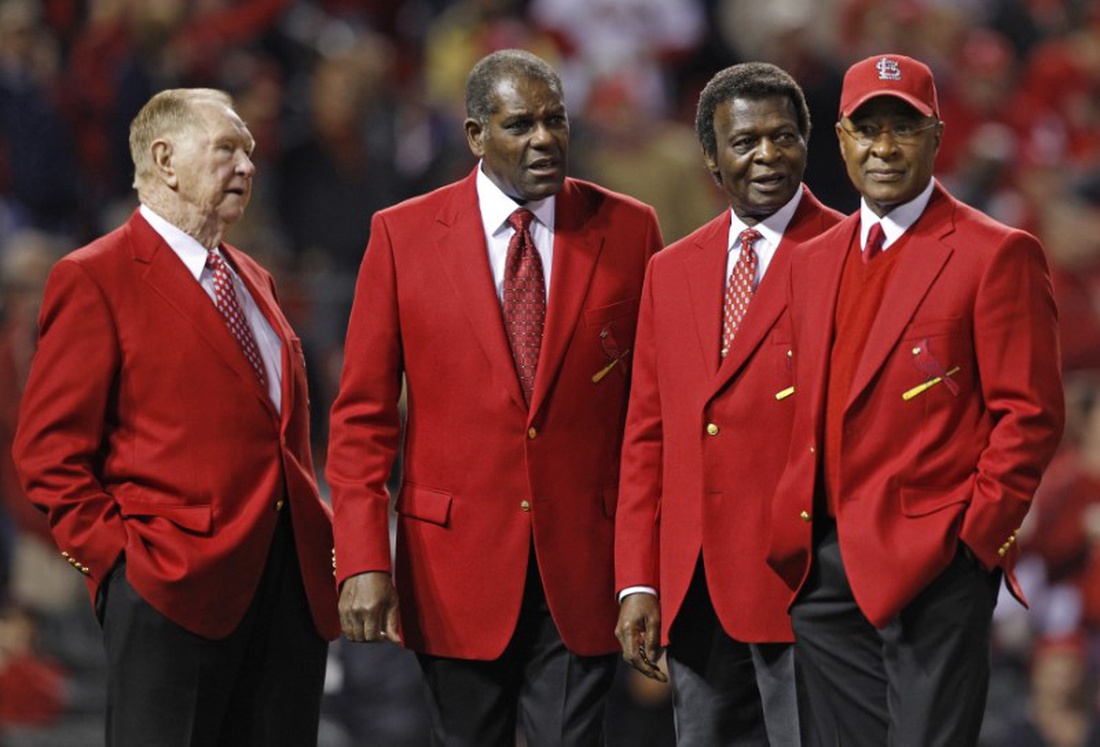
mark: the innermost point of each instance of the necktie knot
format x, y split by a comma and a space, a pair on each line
748, 237
875, 239
521, 219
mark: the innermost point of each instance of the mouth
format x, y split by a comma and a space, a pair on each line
769, 182
543, 166
885, 176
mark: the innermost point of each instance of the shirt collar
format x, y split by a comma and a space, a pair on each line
191, 252
771, 228
897, 221
496, 206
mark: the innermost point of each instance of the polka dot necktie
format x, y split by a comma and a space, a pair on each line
739, 289
225, 299
875, 237
524, 300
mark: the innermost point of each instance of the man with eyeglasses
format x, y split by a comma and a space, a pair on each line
928, 402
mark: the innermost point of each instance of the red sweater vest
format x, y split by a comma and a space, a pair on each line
862, 287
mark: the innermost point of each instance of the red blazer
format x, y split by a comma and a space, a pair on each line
919, 475
144, 432
482, 474
685, 489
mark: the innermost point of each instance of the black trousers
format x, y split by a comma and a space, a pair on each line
558, 697
259, 687
726, 692
919, 682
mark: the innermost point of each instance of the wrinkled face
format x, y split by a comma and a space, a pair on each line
889, 149
213, 165
761, 155
525, 144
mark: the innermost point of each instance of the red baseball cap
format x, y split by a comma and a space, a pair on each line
889, 75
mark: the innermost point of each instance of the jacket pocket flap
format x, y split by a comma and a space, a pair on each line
925, 501
194, 517
424, 504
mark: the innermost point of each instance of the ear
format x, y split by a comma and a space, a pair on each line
474, 136
163, 165
712, 167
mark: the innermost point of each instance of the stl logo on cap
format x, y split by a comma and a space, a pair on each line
888, 69
889, 75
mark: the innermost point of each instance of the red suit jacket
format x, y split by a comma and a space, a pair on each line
685, 488
919, 475
144, 432
483, 476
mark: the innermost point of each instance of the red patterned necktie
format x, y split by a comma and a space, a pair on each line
225, 299
875, 237
739, 289
524, 300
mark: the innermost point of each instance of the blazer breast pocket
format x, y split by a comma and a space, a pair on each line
611, 327
939, 354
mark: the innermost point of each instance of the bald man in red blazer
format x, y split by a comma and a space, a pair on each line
180, 485
505, 515
928, 403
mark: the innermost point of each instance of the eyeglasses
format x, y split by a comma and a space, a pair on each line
902, 133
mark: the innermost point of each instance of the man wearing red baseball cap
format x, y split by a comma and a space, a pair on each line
928, 402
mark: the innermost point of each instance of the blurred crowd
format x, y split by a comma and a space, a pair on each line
357, 104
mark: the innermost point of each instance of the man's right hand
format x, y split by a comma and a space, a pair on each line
639, 633
368, 608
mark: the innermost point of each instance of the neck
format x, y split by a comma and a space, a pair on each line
204, 229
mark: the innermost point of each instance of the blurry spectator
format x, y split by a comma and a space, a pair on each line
1060, 94
25, 260
1069, 224
38, 171
627, 148
1061, 711
791, 34
329, 184
32, 688
602, 36
132, 49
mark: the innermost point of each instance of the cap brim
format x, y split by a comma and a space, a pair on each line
913, 101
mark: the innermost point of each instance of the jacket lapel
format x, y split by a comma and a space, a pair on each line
770, 299
576, 251
705, 269
265, 301
817, 299
464, 259
169, 278
918, 266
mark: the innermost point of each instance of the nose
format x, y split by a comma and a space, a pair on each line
766, 150
541, 135
245, 167
884, 143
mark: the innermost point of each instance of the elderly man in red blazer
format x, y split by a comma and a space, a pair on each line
164, 431
506, 304
928, 402
709, 425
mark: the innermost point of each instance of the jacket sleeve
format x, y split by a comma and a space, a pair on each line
1016, 346
365, 424
63, 420
637, 536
